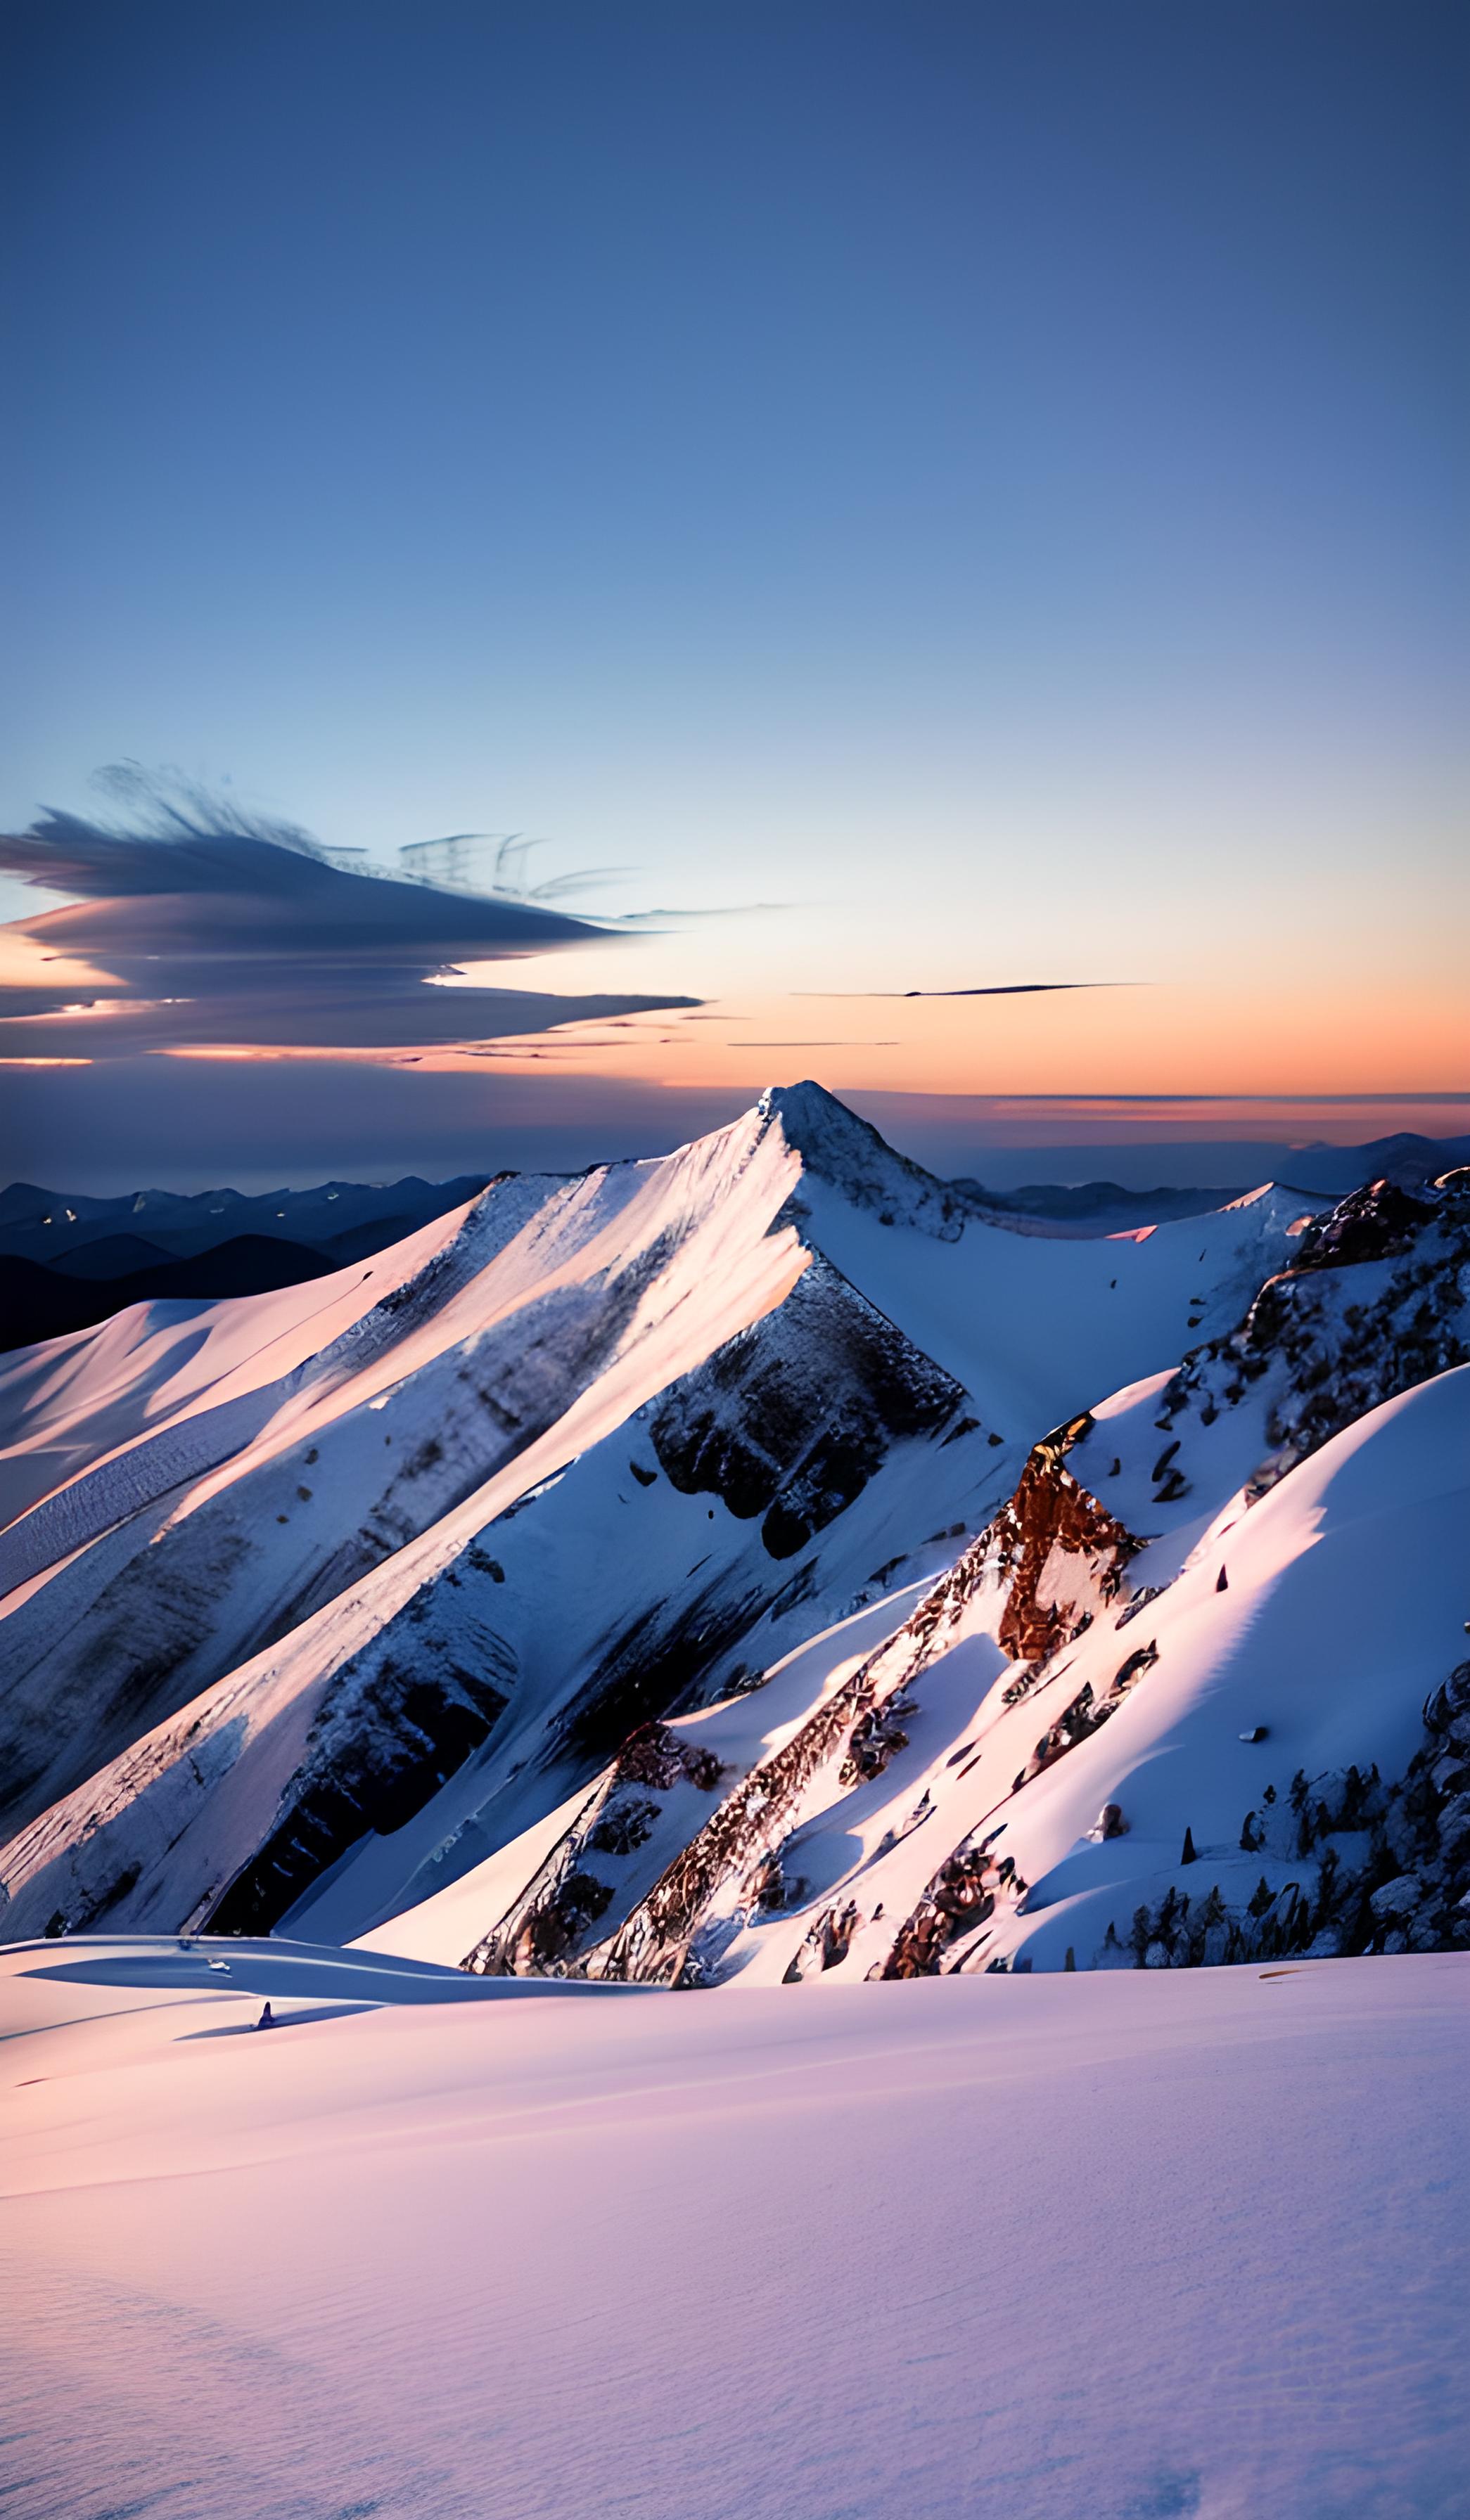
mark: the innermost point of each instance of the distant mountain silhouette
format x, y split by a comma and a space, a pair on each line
37, 1303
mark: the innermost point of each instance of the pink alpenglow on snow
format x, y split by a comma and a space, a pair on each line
1183, 2243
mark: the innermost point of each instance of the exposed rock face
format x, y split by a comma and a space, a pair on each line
961, 1896
790, 1420
1052, 1555
371, 1768
1055, 1551
742, 1832
567, 1896
1374, 1223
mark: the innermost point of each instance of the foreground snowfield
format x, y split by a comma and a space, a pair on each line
1129, 2245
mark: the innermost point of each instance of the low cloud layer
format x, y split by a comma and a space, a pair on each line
202, 926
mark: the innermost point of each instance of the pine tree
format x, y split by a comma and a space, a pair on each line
1260, 1897
1188, 1854
1222, 1582
1251, 1838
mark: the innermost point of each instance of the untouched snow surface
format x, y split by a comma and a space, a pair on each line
1133, 2247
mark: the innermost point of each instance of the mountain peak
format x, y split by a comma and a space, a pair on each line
848, 1154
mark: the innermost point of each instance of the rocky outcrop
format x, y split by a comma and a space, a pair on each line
789, 1420
1052, 1555
961, 1896
1377, 1301
372, 1769
568, 1894
1054, 1551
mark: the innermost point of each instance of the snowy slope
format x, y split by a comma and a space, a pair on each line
644, 1878
1345, 1609
343, 1590
371, 1719
316, 1444
1121, 2246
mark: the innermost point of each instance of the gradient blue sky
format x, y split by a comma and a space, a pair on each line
990, 478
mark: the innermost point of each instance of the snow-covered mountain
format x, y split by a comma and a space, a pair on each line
1285, 1519
643, 1573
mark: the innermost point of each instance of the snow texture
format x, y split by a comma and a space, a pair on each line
1187, 2245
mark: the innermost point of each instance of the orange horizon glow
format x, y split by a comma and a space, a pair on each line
1169, 1041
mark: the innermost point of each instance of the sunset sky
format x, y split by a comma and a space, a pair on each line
913, 499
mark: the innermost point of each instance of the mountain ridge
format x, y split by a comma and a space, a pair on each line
347, 1591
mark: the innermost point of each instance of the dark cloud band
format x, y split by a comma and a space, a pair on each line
216, 929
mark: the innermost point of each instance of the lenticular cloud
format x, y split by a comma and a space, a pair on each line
213, 926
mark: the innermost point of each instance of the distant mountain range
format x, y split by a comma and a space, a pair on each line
756, 1562
67, 1261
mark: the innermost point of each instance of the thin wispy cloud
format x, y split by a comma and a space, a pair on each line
997, 989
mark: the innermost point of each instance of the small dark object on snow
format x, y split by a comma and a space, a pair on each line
1256, 1732
1188, 1856
1222, 1582
267, 2020
1113, 1823
1070, 1962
